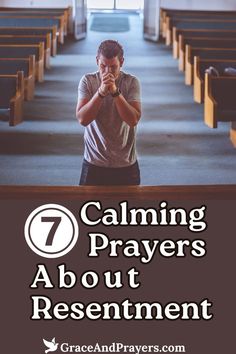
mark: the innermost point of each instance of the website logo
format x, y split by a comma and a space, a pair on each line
51, 346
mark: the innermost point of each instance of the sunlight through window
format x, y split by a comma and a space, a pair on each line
116, 4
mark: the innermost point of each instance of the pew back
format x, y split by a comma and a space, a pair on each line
34, 21
220, 103
223, 90
22, 51
167, 15
12, 96
210, 33
204, 53
12, 65
8, 88
19, 51
26, 31
30, 39
27, 65
205, 24
67, 12
200, 66
202, 42
141, 193
26, 39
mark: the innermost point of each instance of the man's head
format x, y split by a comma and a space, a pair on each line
110, 57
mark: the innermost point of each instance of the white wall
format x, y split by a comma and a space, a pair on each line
36, 3
150, 11
199, 4
151, 19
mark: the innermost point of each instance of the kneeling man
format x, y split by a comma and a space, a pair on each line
109, 107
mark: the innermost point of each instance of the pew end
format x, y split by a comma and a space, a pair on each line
30, 80
162, 22
209, 104
233, 133
188, 66
175, 43
47, 50
198, 82
40, 64
181, 53
168, 31
61, 32
16, 103
54, 41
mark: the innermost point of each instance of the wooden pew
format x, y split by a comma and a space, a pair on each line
141, 193
200, 65
12, 96
30, 31
165, 13
219, 101
202, 42
34, 21
23, 51
67, 12
30, 39
209, 33
11, 66
30, 13
204, 53
196, 23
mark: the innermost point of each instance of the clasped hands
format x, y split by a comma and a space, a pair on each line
108, 84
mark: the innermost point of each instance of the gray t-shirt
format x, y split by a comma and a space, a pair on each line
109, 141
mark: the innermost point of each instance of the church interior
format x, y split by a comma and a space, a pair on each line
184, 137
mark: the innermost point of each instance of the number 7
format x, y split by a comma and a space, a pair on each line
56, 221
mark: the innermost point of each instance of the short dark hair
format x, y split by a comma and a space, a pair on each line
111, 49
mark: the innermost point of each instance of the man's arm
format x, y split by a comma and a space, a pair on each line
86, 110
130, 112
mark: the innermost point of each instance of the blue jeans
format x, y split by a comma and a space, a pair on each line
92, 175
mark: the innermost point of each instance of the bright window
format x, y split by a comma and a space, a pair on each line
102, 4
129, 5
115, 4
